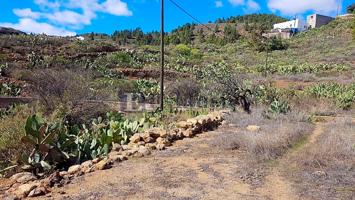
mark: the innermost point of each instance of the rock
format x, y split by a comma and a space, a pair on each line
151, 146
126, 147
63, 173
117, 147
103, 164
87, 167
184, 125
39, 191
126, 153
149, 140
253, 128
144, 151
24, 190
163, 141
115, 156
23, 177
188, 133
96, 160
160, 146
53, 179
74, 169
135, 138
154, 133
320, 173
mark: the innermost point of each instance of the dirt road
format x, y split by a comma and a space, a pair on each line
191, 169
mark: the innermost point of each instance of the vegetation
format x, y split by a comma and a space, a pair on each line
223, 65
344, 95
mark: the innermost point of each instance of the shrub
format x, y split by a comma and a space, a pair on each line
12, 130
344, 95
58, 87
184, 91
183, 50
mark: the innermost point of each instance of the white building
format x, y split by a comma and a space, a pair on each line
297, 24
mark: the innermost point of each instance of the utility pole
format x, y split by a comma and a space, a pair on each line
162, 61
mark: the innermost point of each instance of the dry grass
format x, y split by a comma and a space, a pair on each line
326, 169
273, 139
12, 151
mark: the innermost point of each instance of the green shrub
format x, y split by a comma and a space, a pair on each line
183, 50
343, 95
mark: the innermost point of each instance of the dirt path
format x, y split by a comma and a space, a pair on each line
277, 187
191, 169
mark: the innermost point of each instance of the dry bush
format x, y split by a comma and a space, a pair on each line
275, 137
326, 169
185, 91
59, 87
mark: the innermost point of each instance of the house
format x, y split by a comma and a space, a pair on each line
288, 29
297, 25
316, 20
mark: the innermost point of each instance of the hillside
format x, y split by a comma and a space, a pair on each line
244, 117
10, 31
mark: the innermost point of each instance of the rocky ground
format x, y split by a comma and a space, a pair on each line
194, 168
191, 169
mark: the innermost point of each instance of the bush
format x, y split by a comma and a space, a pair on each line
183, 50
344, 95
185, 92
12, 130
59, 87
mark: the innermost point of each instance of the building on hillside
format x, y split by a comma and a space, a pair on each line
288, 29
280, 33
296, 25
316, 20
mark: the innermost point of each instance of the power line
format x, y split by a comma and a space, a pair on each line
190, 15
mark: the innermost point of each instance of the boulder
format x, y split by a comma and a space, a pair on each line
103, 164
54, 178
151, 146
115, 156
148, 139
144, 151
188, 133
160, 146
39, 191
23, 177
74, 169
253, 128
87, 166
184, 125
116, 147
25, 189
96, 160
135, 138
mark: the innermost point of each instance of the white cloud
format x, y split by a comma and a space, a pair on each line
26, 13
32, 26
71, 14
252, 6
292, 7
47, 4
116, 7
218, 4
68, 17
237, 2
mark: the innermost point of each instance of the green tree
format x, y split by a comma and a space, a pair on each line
351, 8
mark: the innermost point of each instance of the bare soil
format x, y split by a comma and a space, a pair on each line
191, 169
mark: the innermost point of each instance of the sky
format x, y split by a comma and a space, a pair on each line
71, 17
